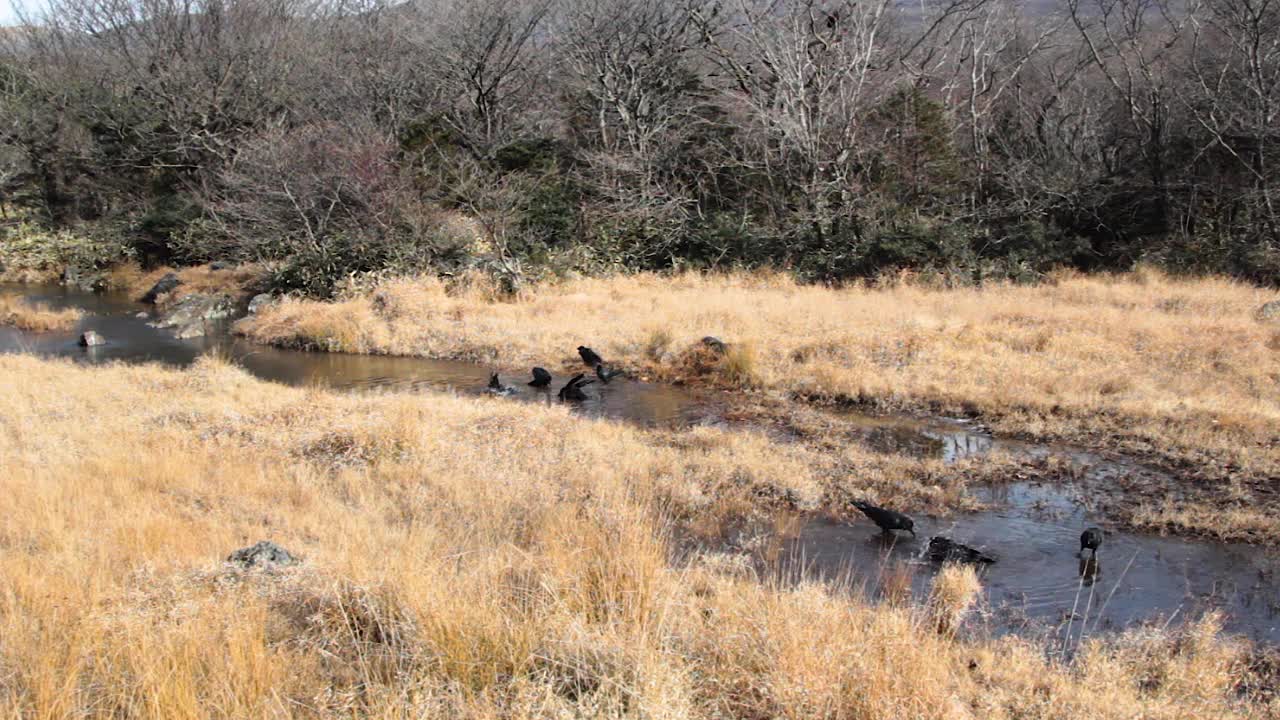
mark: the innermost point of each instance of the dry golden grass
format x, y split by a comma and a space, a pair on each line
955, 590
462, 559
1178, 369
34, 316
233, 281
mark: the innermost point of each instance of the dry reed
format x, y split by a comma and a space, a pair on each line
35, 317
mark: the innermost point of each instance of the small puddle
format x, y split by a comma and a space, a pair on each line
1039, 579
942, 438
131, 339
1033, 531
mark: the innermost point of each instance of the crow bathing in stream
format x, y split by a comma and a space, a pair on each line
589, 356
541, 378
572, 390
605, 374
496, 387
942, 549
1090, 539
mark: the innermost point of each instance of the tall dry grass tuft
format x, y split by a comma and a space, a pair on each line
955, 590
738, 366
460, 559
35, 317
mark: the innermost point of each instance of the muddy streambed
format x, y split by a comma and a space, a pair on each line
1032, 530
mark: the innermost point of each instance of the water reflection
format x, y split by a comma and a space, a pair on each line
1089, 569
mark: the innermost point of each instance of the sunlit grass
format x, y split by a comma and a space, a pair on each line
463, 558
1179, 369
234, 281
35, 316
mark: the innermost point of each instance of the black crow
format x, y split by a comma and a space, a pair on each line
886, 519
541, 378
1090, 539
943, 549
496, 387
572, 390
605, 374
589, 356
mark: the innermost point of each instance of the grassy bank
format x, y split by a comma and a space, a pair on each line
35, 317
463, 559
1176, 369
31, 253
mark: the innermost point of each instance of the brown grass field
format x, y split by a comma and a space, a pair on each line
470, 559
1178, 372
35, 317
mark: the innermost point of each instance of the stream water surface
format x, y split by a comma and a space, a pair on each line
126, 325
1037, 585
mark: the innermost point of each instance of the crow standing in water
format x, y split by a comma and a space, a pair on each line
605, 374
1090, 539
888, 520
496, 387
541, 378
589, 356
572, 390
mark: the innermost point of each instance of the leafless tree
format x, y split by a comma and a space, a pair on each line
490, 59
992, 51
1136, 45
1235, 96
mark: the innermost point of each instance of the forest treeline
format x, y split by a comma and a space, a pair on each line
838, 139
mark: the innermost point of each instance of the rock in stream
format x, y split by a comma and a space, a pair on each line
162, 286
190, 317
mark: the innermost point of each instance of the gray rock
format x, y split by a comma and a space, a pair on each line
260, 301
87, 279
716, 344
162, 286
141, 315
220, 265
264, 553
90, 338
1269, 311
190, 317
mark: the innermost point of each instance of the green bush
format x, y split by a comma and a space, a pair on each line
30, 252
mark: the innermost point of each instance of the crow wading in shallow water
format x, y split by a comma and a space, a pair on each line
888, 520
1090, 539
605, 374
572, 390
541, 378
496, 387
589, 356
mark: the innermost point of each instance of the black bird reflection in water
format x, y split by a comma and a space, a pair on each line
1089, 569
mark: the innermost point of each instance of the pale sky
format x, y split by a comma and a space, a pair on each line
7, 15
